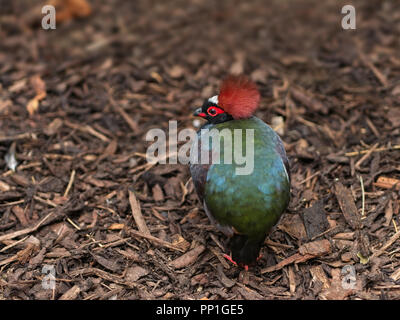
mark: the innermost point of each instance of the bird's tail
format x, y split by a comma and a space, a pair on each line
245, 250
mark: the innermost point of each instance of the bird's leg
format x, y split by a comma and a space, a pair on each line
229, 258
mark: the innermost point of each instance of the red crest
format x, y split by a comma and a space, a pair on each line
239, 96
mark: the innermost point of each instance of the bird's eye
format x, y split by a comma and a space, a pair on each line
212, 111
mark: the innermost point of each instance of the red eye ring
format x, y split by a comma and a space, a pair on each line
213, 111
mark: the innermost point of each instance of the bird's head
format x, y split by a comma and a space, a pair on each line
238, 99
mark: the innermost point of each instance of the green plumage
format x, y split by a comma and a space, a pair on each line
253, 203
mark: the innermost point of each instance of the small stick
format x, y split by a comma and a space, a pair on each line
386, 245
45, 201
362, 195
356, 153
372, 127
132, 124
310, 177
73, 224
155, 240
87, 129
71, 181
395, 226
137, 213
27, 135
366, 156
25, 231
11, 203
13, 244
379, 75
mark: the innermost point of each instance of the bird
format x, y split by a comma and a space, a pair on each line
245, 207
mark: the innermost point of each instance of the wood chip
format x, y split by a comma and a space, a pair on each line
396, 275
135, 273
20, 214
335, 290
109, 264
71, 294
187, 258
4, 186
315, 220
388, 213
137, 213
293, 226
319, 274
348, 206
292, 280
158, 194
316, 248
387, 183
309, 101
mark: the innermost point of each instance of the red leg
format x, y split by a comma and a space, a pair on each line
227, 257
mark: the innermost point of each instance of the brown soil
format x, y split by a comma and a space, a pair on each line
76, 104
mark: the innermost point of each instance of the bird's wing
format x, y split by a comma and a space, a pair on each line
279, 147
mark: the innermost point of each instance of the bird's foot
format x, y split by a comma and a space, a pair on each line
229, 258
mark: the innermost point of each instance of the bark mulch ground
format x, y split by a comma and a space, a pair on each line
83, 203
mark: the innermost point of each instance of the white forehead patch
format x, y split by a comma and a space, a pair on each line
214, 100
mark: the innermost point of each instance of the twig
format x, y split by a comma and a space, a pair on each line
137, 213
87, 129
356, 153
71, 181
154, 239
11, 203
132, 124
45, 201
310, 177
21, 136
13, 244
73, 224
386, 245
366, 156
379, 75
25, 231
362, 196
